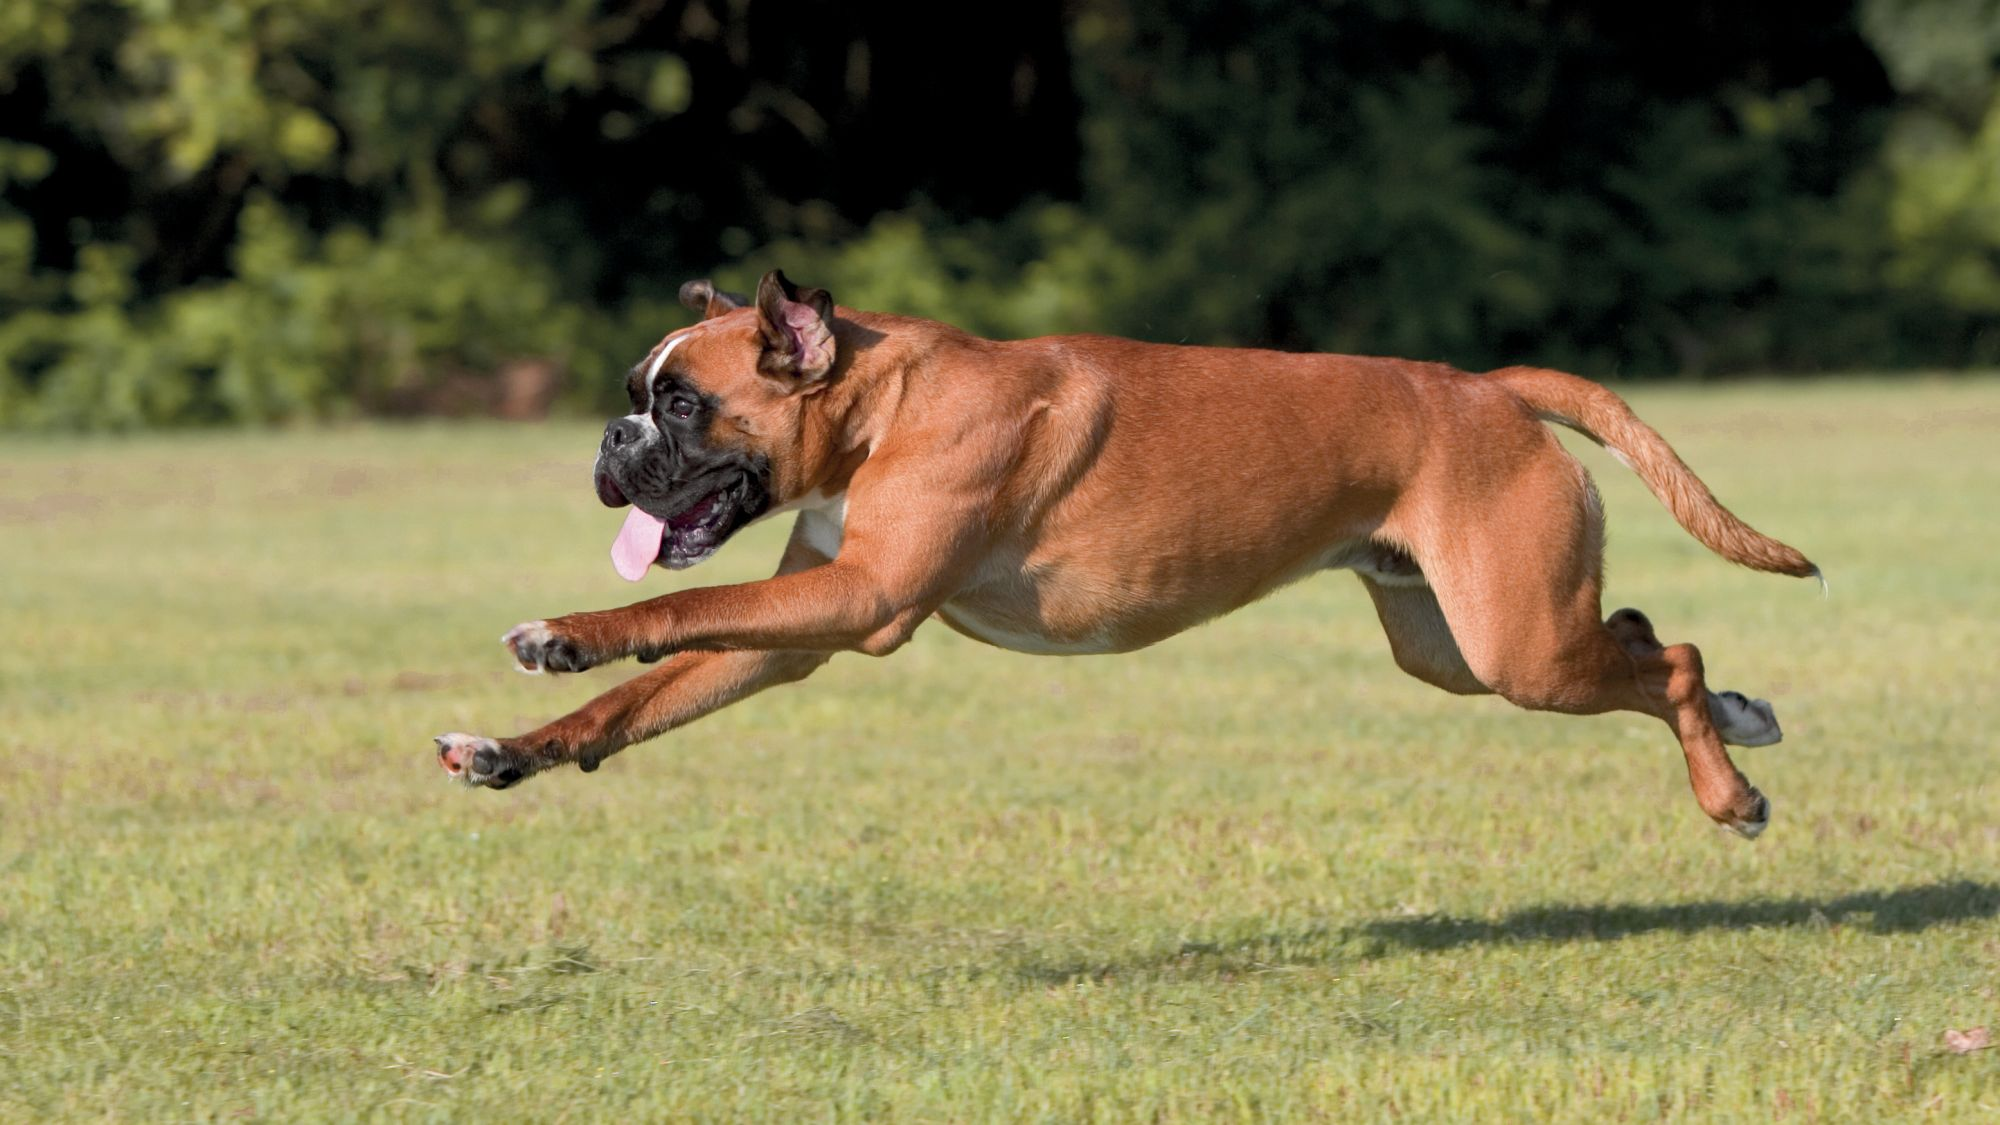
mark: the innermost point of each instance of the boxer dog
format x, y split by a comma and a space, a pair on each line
1084, 494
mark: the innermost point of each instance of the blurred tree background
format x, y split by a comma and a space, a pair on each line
256, 210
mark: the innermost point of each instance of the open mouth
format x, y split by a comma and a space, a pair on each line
695, 534
677, 542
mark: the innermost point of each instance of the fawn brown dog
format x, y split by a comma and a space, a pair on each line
1083, 494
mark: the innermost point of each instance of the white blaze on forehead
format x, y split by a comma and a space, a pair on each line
644, 417
660, 360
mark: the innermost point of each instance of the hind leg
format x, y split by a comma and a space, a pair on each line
1589, 672
1740, 720
1520, 587
1670, 685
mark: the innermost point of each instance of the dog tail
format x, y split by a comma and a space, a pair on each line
1604, 418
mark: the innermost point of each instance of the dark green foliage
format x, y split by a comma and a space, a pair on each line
252, 210
1613, 188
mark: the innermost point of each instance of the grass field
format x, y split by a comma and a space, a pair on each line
1251, 873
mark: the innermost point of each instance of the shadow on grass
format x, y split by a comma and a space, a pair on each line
1902, 910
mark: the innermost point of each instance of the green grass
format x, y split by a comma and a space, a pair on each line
1253, 872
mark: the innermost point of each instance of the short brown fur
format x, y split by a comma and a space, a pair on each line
1091, 494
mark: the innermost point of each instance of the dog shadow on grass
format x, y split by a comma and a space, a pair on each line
1901, 910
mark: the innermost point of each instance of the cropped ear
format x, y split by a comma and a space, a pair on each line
702, 296
797, 325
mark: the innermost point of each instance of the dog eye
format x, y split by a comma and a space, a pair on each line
681, 407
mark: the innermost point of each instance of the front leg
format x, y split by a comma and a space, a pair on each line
537, 648
829, 609
676, 693
842, 606
579, 642
901, 556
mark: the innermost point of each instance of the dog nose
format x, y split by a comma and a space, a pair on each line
621, 431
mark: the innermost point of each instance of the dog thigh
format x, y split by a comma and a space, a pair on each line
1516, 567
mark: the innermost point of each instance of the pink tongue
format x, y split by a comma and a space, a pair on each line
637, 545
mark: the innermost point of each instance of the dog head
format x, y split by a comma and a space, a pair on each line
716, 436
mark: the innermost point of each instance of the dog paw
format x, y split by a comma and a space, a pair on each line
538, 648
1742, 721
1754, 817
480, 761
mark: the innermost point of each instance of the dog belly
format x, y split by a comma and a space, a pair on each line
1074, 608
1016, 635
1043, 610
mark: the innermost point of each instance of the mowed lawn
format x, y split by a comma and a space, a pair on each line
1252, 873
